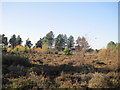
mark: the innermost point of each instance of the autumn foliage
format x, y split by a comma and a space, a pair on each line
44, 49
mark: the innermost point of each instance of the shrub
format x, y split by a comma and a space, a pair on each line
17, 50
60, 53
89, 50
66, 51
20, 84
49, 52
102, 54
113, 79
98, 81
41, 81
56, 52
86, 77
12, 52
9, 49
37, 49
114, 83
27, 49
15, 60
4, 50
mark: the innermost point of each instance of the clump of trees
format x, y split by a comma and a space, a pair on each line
15, 41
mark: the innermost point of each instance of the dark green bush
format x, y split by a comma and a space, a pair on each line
56, 52
89, 50
11, 52
52, 52
4, 50
49, 52
15, 60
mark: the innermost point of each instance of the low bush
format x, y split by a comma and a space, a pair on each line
102, 54
98, 81
15, 60
67, 51
89, 50
40, 81
20, 84
17, 50
4, 50
49, 52
113, 79
55, 52
60, 53
86, 77
9, 49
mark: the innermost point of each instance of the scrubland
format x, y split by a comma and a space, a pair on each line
36, 69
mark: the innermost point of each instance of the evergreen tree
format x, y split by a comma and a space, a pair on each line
78, 41
39, 43
28, 43
4, 40
18, 40
49, 39
65, 41
12, 41
59, 42
70, 41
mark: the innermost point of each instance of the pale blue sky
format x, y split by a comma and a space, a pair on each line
98, 21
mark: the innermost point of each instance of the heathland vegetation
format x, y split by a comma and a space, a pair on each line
60, 62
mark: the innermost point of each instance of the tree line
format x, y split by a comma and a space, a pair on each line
60, 42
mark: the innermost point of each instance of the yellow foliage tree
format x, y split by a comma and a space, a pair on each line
44, 49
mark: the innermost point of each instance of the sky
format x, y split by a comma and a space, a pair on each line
97, 21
